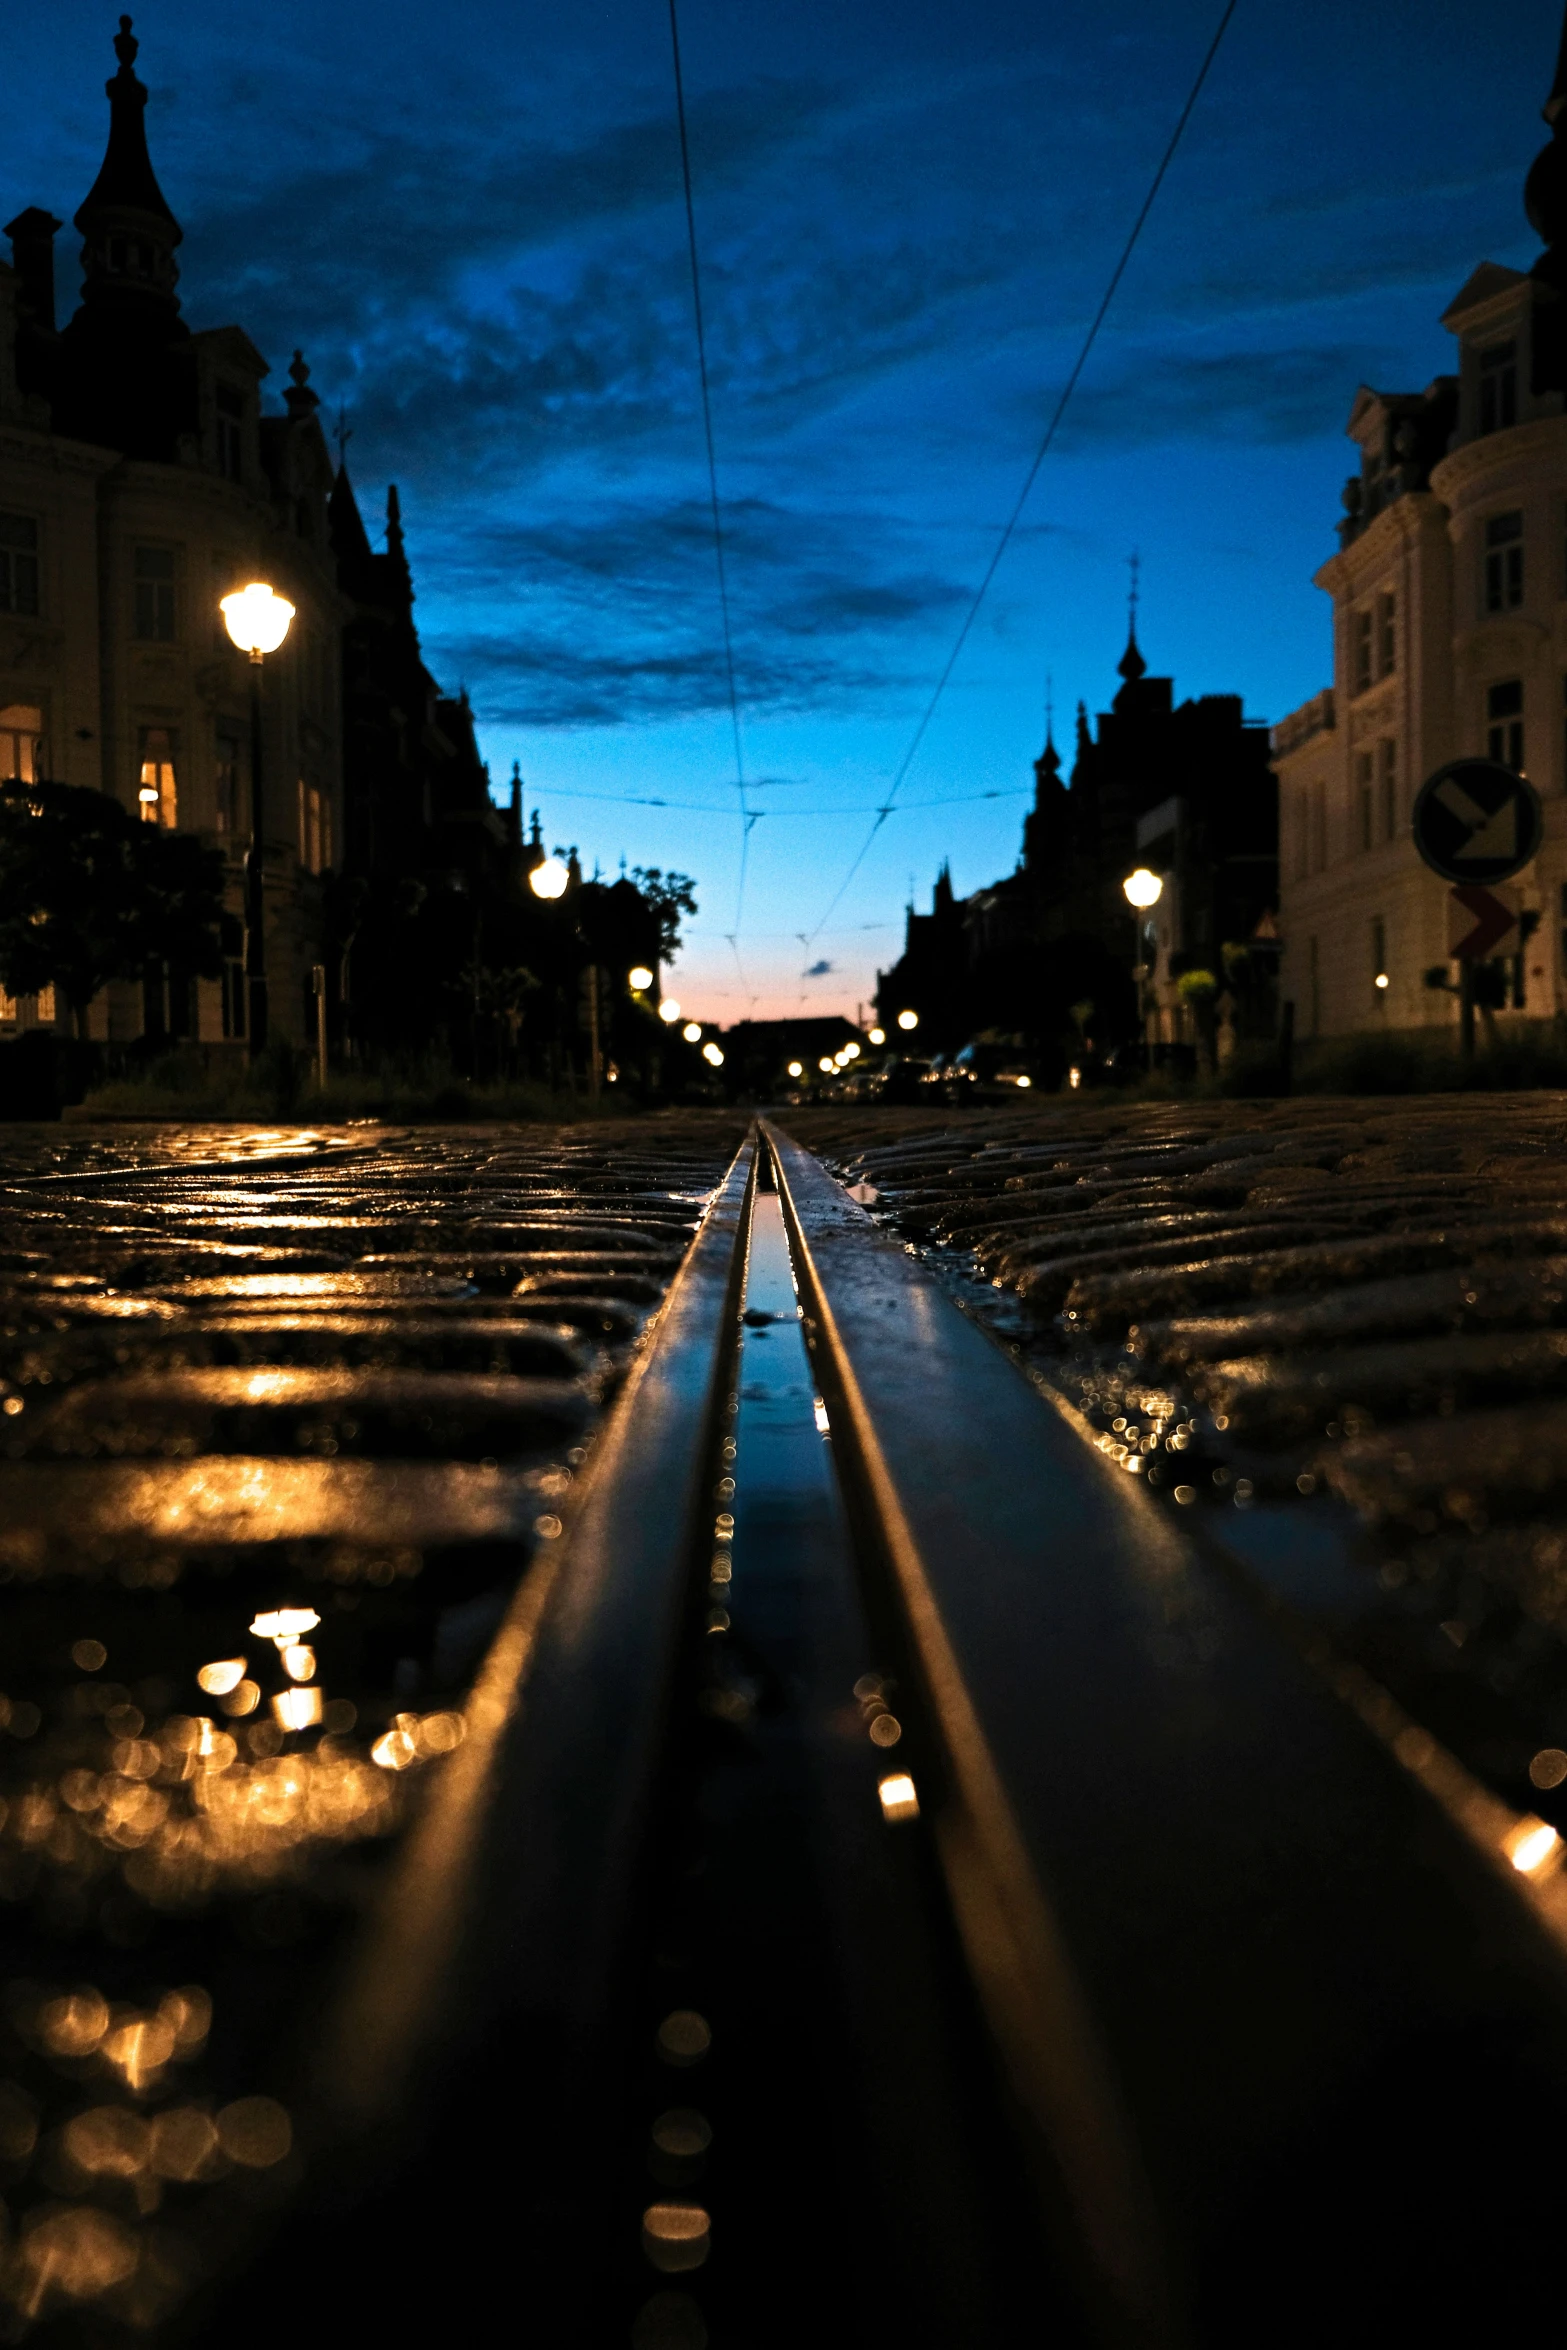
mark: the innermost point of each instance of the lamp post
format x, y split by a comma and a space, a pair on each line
257, 621
1142, 890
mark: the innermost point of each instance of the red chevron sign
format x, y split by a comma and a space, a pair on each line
1478, 920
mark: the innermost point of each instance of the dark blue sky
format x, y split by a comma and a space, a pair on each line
470, 218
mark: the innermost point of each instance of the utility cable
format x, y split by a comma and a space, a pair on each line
1040, 454
712, 463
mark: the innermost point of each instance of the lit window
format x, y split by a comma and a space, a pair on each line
18, 563
156, 794
43, 1007
1498, 387
315, 828
1504, 723
8, 1007
155, 594
21, 744
1504, 563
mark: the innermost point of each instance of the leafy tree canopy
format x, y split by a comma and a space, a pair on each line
669, 895
88, 894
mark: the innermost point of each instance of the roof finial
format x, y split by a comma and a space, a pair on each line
1131, 664
299, 399
125, 47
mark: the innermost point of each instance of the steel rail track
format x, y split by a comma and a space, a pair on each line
900, 1881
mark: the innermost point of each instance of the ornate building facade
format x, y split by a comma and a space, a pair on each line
1449, 595
141, 480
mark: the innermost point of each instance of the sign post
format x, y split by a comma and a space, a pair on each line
1476, 823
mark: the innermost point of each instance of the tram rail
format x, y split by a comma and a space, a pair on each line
834, 1848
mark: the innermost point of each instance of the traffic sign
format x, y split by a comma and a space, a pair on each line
1477, 821
1478, 921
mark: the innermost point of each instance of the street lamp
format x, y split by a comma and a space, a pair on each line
826, 1065
257, 621
908, 1020
692, 1032
1142, 889
669, 1011
797, 1068
549, 880
640, 978
712, 1055
878, 1036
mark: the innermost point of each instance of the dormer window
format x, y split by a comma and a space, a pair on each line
1498, 387
1504, 562
231, 417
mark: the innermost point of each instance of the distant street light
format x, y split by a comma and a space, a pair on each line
640, 977
878, 1036
692, 1032
908, 1019
796, 1068
827, 1065
669, 1010
549, 880
711, 1054
257, 621
1142, 889
851, 1052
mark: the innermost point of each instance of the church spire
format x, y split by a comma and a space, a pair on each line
129, 234
1131, 665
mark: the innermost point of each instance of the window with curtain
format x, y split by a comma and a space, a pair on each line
21, 743
157, 793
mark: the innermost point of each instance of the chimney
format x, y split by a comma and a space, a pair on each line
32, 236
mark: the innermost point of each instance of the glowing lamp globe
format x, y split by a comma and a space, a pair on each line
851, 1052
1142, 888
908, 1020
797, 1068
826, 1065
878, 1036
640, 977
669, 1010
549, 880
256, 619
712, 1055
692, 1032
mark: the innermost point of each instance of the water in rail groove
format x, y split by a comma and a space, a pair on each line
284, 1415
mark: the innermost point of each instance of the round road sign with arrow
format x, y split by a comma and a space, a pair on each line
1476, 821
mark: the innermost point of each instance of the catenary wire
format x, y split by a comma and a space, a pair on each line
746, 819
1040, 454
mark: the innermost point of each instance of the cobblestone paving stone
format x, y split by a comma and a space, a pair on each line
1333, 1332
348, 1373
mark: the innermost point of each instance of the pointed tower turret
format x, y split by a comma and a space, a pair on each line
129, 234
1545, 201
514, 811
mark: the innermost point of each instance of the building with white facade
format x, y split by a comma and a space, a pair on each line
1449, 639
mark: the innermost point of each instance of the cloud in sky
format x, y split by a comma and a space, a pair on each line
472, 223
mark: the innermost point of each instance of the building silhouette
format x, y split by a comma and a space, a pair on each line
1052, 956
1449, 594
141, 480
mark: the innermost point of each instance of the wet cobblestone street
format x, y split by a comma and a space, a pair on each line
285, 1416
1332, 1334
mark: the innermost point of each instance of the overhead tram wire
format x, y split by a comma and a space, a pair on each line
747, 819
1040, 454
